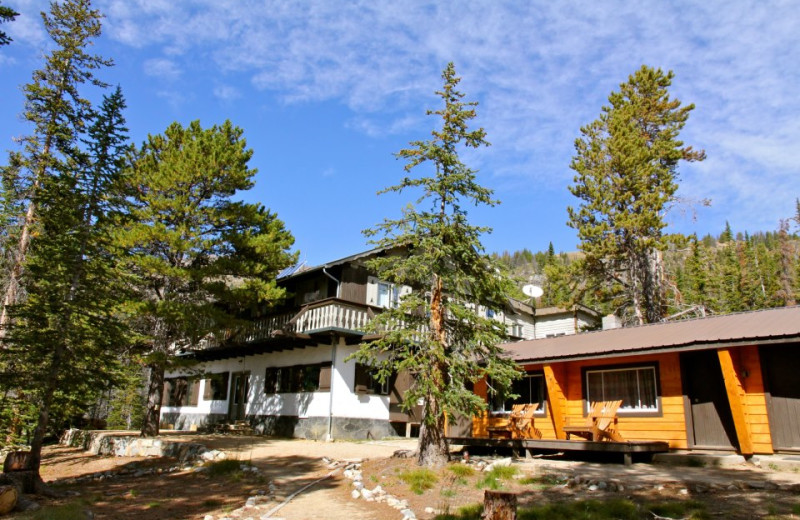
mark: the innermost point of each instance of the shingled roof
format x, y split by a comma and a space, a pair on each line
757, 327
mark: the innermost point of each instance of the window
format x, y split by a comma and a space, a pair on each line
298, 378
635, 386
387, 295
529, 389
180, 391
216, 388
367, 381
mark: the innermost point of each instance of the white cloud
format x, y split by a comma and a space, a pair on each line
162, 68
227, 93
540, 69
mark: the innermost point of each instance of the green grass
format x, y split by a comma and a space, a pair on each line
542, 482
419, 480
72, 511
580, 510
153, 505
693, 509
228, 467
461, 470
494, 478
796, 509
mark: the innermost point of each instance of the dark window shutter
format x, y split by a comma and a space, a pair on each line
166, 393
362, 379
194, 391
181, 392
271, 380
208, 390
324, 377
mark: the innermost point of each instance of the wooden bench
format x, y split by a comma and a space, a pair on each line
600, 423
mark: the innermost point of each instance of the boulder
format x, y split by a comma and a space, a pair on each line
16, 461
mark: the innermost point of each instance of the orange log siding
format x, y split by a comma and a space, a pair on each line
670, 426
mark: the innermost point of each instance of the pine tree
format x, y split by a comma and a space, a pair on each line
437, 331
64, 341
202, 259
59, 114
6, 15
626, 163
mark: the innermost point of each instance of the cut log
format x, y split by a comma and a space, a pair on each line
8, 499
499, 505
16, 461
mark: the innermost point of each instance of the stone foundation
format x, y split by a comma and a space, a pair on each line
191, 421
122, 444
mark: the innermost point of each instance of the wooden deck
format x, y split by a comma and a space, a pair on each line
627, 449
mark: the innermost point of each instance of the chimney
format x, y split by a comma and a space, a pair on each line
611, 322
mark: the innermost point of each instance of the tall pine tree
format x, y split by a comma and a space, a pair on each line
202, 259
437, 332
626, 176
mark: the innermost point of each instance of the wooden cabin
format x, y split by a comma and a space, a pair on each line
727, 383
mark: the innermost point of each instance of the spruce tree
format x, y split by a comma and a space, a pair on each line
64, 341
626, 176
437, 332
6, 15
202, 259
59, 114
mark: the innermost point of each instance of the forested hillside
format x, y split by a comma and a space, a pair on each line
730, 272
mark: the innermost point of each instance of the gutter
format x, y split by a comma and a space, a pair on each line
329, 275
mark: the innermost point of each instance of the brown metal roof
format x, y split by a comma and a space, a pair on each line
780, 324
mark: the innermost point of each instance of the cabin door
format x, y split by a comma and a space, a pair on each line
780, 364
709, 422
240, 387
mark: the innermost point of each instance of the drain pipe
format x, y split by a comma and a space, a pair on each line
330, 391
329, 275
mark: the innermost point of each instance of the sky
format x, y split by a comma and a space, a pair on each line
328, 91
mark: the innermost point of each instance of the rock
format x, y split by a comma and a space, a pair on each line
355, 493
208, 517
16, 461
502, 462
602, 485
23, 504
403, 454
408, 514
8, 499
392, 501
592, 488
359, 485
684, 491
366, 494
378, 491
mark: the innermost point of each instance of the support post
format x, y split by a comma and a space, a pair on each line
735, 391
555, 399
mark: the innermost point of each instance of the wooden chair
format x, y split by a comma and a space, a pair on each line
600, 423
520, 424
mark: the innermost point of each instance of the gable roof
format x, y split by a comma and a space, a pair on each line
757, 327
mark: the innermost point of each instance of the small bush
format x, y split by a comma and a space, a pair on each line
72, 511
219, 468
461, 470
494, 478
419, 480
596, 510
473, 512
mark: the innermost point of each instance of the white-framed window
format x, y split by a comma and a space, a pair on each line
637, 387
529, 389
384, 294
387, 295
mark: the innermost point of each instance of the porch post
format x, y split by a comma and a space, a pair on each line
555, 398
736, 394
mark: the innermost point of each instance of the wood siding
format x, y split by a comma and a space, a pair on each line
565, 380
354, 285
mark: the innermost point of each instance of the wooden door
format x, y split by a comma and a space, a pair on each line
780, 365
709, 421
240, 387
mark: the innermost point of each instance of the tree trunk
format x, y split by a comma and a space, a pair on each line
43, 422
499, 505
433, 450
155, 392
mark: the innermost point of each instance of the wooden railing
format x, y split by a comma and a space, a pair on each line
331, 314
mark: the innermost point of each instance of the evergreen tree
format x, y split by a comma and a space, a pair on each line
58, 113
64, 342
6, 15
437, 332
202, 259
626, 164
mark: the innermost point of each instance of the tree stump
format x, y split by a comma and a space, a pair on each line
8, 499
499, 505
16, 461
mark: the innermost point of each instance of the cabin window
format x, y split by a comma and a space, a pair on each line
298, 378
636, 386
216, 388
367, 381
385, 294
529, 389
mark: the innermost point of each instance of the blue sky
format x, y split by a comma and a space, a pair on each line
328, 91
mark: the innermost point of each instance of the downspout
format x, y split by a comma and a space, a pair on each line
329, 275
330, 391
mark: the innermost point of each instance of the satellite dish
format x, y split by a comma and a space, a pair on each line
534, 291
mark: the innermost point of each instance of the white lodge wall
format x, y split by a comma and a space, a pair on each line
302, 405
